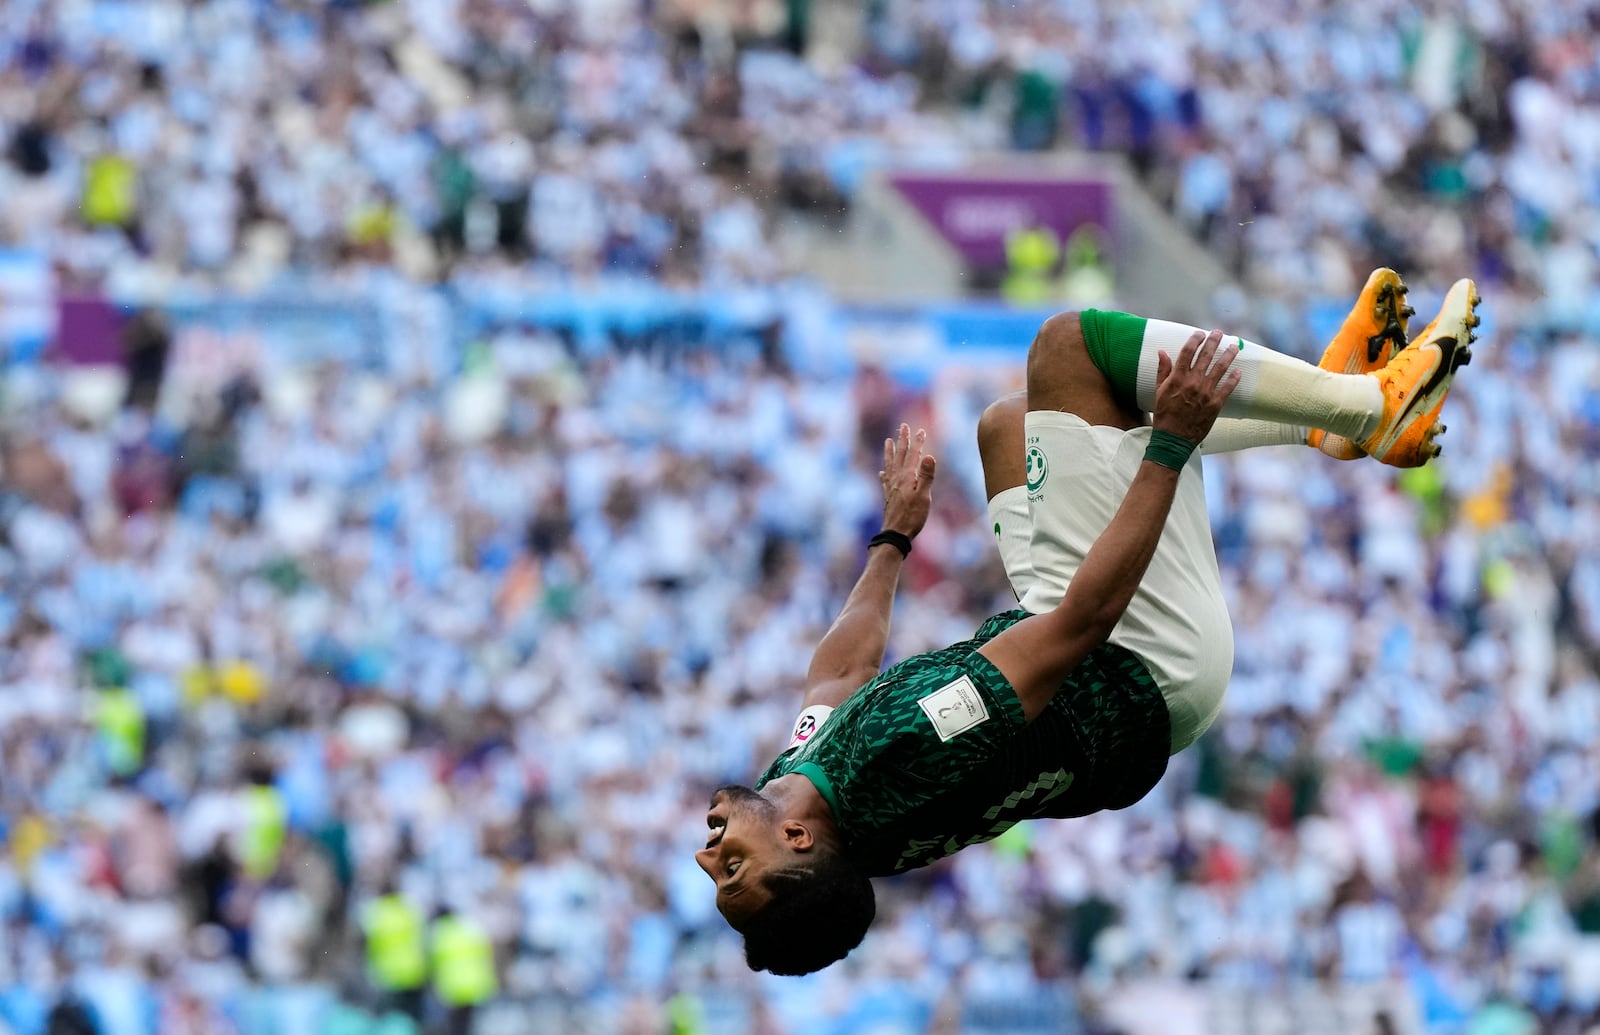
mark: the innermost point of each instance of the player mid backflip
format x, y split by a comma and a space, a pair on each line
1121, 649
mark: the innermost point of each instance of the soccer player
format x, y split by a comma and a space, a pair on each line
1121, 649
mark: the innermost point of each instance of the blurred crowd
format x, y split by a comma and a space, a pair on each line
290, 685
174, 142
171, 142
1302, 140
329, 704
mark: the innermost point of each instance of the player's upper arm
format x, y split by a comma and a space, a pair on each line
1035, 654
834, 691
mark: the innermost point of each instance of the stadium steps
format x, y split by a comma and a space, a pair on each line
887, 254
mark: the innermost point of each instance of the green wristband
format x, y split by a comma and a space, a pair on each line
1169, 450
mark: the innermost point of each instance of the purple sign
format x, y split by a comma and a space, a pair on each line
88, 330
976, 213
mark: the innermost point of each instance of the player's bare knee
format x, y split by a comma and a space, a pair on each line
1063, 376
1063, 330
1058, 355
1058, 343
1002, 421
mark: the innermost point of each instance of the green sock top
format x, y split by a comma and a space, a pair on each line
1114, 341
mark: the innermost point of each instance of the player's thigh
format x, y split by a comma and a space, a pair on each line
1002, 443
1061, 376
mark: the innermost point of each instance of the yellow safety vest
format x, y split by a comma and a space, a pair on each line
266, 826
397, 957
1086, 279
241, 681
109, 191
120, 719
31, 837
1031, 255
463, 963
685, 1016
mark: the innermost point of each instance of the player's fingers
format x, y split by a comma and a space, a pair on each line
1229, 383
1163, 368
1186, 354
930, 467
1219, 366
902, 446
1207, 350
888, 455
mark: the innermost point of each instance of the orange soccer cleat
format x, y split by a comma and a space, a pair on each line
1371, 335
1417, 379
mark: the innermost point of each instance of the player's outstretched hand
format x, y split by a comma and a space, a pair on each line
1190, 390
907, 479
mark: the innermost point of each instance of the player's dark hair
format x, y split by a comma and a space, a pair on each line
817, 914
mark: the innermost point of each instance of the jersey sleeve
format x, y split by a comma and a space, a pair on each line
805, 727
809, 722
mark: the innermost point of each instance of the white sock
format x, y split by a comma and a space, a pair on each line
1231, 434
1274, 387
1012, 525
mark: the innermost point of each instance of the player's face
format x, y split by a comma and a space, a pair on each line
740, 847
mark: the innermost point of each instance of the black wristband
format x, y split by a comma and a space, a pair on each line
899, 540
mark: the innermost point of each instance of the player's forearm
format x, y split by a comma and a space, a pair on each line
1110, 574
1037, 653
858, 637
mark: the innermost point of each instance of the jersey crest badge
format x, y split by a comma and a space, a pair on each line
955, 708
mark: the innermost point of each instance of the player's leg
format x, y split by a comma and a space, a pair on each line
1065, 375
1372, 332
1391, 414
1003, 453
1002, 449
1082, 448
1231, 434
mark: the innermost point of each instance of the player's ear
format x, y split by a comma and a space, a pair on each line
796, 835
